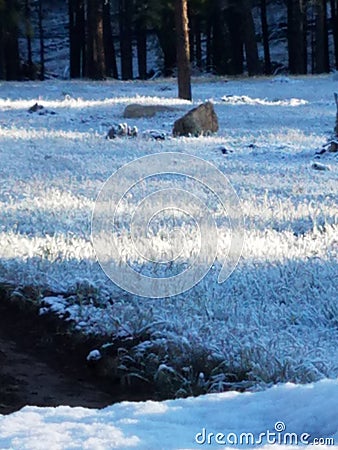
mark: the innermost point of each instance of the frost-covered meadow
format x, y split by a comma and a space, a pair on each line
276, 318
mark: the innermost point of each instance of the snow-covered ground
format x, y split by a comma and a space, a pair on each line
288, 415
276, 318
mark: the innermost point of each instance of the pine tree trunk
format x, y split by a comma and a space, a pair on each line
297, 36
167, 43
109, 47
2, 54
236, 39
334, 22
209, 61
28, 33
141, 42
191, 21
77, 38
322, 63
265, 35
41, 40
198, 42
81, 27
183, 57
74, 43
10, 41
96, 69
126, 38
249, 37
221, 45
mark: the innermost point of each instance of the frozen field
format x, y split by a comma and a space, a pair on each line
276, 318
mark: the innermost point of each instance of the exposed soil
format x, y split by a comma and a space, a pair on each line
43, 364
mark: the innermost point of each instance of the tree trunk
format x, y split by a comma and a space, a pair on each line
126, 38
236, 39
41, 40
208, 61
109, 48
198, 42
9, 43
297, 38
167, 43
322, 63
191, 21
11, 53
265, 35
77, 38
74, 40
28, 32
221, 45
141, 42
2, 53
96, 68
334, 23
249, 37
183, 57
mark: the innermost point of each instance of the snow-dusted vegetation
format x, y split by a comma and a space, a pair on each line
275, 319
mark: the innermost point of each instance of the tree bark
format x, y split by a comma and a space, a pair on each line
209, 58
2, 53
191, 21
141, 43
236, 39
109, 47
221, 41
28, 32
183, 56
198, 42
41, 40
167, 43
249, 37
297, 36
74, 42
9, 43
126, 38
96, 68
334, 23
322, 63
265, 35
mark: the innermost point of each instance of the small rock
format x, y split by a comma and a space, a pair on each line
122, 130
94, 355
319, 166
333, 147
35, 108
198, 121
321, 152
225, 150
154, 134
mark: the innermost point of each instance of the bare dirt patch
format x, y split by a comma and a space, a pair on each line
43, 363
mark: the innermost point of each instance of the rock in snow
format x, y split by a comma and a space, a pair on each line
121, 130
199, 121
135, 110
318, 166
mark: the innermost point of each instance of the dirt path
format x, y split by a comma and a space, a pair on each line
43, 364
26, 380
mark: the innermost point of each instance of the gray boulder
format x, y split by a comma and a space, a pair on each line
135, 111
199, 121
